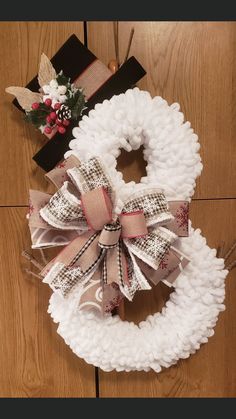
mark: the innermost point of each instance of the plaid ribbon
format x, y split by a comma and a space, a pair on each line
108, 256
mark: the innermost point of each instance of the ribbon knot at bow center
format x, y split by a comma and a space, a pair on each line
107, 256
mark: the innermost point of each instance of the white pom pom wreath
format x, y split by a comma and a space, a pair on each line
171, 149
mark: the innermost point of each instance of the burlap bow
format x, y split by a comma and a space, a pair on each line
107, 255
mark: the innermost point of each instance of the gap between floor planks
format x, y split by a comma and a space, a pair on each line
194, 199
96, 370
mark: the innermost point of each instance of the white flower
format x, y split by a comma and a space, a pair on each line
54, 92
62, 90
47, 89
53, 84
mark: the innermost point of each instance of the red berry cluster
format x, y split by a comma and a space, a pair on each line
51, 119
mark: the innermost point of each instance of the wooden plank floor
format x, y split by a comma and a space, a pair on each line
22, 44
34, 360
211, 372
192, 64
189, 63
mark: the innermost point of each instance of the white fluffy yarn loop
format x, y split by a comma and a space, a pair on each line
171, 149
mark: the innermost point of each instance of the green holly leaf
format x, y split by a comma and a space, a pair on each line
62, 80
37, 117
78, 106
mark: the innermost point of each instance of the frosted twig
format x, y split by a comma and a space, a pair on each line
32, 260
129, 44
32, 273
230, 251
43, 256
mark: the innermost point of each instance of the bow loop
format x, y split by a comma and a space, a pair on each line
97, 208
153, 203
63, 211
133, 224
91, 175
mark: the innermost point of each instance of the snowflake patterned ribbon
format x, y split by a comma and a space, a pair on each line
108, 256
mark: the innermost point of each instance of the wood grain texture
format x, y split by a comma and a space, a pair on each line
21, 46
192, 63
211, 372
34, 359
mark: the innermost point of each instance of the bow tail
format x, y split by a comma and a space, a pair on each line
169, 268
91, 294
119, 269
95, 295
156, 258
117, 276
75, 264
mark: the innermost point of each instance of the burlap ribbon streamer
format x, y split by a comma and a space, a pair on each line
106, 255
